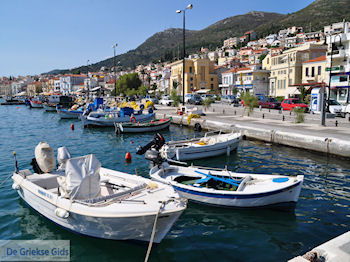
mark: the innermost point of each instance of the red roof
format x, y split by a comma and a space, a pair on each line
232, 70
318, 59
243, 69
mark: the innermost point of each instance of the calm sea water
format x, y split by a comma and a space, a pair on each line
202, 233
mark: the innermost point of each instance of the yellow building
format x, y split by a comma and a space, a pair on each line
314, 71
200, 76
286, 69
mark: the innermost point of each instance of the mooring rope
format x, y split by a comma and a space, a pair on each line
153, 232
3, 182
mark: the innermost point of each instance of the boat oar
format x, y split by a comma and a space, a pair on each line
231, 181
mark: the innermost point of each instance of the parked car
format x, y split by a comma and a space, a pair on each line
230, 99
291, 103
166, 101
345, 111
151, 98
269, 102
195, 100
205, 96
335, 107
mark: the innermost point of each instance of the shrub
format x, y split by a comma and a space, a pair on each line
207, 102
299, 114
175, 97
250, 101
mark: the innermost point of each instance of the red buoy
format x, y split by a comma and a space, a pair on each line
128, 157
72, 126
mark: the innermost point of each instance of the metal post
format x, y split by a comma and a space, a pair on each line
323, 89
183, 59
115, 75
87, 78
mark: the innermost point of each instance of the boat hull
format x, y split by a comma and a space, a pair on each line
116, 228
254, 200
141, 129
35, 104
192, 153
67, 114
49, 108
106, 122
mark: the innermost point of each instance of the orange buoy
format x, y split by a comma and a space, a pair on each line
128, 157
72, 126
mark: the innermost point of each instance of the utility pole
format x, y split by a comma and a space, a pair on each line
114, 68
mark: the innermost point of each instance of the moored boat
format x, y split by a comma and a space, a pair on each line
65, 113
151, 126
208, 146
49, 107
36, 103
108, 119
85, 198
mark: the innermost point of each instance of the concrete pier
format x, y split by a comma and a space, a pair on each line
328, 140
335, 250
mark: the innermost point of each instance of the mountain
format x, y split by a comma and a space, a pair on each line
315, 16
168, 44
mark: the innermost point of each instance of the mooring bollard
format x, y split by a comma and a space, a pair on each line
263, 116
236, 113
269, 110
336, 123
213, 109
223, 111
282, 118
290, 112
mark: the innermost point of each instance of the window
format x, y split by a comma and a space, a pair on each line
307, 72
211, 79
319, 70
191, 70
211, 86
191, 79
313, 71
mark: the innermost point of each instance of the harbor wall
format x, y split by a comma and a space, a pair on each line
327, 145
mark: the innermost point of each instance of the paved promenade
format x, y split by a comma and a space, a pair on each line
309, 135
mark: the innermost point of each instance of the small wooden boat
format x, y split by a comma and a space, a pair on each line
65, 113
85, 198
36, 103
109, 119
49, 107
229, 189
151, 126
208, 146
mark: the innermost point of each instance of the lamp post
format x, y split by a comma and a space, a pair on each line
87, 78
190, 6
114, 66
324, 108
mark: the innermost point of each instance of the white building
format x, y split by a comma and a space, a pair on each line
228, 82
338, 61
71, 83
254, 80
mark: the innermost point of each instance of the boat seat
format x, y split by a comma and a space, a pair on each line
243, 183
46, 180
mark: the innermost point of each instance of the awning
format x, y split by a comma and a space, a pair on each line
203, 91
96, 88
21, 94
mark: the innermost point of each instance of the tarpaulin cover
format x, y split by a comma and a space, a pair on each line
45, 157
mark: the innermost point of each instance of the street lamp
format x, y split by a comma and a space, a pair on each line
114, 65
323, 115
190, 6
87, 78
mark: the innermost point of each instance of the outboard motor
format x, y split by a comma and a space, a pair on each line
62, 156
157, 143
154, 156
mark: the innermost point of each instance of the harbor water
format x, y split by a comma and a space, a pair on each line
202, 233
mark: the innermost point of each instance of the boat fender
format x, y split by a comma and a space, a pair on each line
128, 157
15, 186
61, 213
133, 119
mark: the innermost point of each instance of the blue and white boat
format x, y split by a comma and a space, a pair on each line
65, 113
110, 118
228, 189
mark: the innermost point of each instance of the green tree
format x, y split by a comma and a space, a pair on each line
175, 97
126, 83
250, 101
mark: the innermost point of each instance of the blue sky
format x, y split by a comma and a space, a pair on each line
37, 36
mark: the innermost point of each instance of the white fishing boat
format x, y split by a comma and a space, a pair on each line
150, 126
85, 198
36, 103
65, 113
109, 119
49, 107
226, 188
208, 146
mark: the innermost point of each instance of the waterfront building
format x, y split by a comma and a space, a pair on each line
338, 41
286, 69
227, 86
71, 83
34, 88
199, 76
314, 72
252, 79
